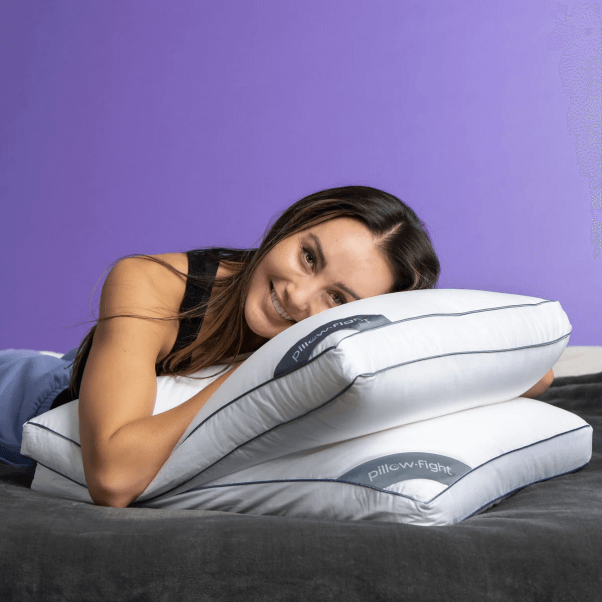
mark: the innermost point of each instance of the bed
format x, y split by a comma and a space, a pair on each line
542, 543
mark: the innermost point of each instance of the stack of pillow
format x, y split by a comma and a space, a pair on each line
404, 407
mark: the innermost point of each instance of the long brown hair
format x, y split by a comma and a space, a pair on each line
399, 233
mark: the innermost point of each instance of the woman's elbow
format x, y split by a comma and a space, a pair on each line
112, 500
100, 491
541, 386
547, 381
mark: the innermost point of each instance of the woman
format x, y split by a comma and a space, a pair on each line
160, 317
327, 249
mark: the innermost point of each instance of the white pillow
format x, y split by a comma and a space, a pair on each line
350, 371
430, 473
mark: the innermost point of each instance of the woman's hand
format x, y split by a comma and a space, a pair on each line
541, 387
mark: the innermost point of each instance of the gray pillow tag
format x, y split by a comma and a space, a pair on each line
386, 470
300, 352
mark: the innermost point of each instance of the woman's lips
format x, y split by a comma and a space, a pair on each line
278, 316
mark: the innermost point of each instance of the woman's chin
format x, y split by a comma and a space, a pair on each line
252, 341
268, 329
260, 331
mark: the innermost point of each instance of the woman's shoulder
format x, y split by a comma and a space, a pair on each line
165, 286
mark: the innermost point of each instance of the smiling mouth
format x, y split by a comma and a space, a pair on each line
277, 306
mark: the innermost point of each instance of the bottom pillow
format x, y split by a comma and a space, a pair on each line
430, 473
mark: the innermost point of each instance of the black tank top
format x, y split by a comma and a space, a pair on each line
199, 261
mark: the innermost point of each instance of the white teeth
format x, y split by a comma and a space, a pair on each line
278, 308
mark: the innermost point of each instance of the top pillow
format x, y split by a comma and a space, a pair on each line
350, 371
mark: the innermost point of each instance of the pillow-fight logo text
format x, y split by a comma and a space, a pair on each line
330, 327
301, 351
432, 466
387, 470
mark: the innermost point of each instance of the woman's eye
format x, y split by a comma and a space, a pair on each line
341, 298
307, 252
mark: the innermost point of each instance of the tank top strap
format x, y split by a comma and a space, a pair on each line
198, 263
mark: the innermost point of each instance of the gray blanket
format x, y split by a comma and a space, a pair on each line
542, 543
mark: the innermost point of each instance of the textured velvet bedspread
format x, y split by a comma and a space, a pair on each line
542, 543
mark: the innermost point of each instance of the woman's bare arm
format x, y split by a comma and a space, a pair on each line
139, 449
119, 383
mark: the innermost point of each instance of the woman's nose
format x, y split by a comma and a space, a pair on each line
304, 300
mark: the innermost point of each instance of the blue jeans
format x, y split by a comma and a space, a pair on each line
29, 383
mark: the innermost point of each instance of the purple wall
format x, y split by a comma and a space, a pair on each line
160, 126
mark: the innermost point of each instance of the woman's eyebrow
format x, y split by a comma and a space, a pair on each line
323, 263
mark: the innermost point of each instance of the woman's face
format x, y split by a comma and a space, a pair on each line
327, 265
